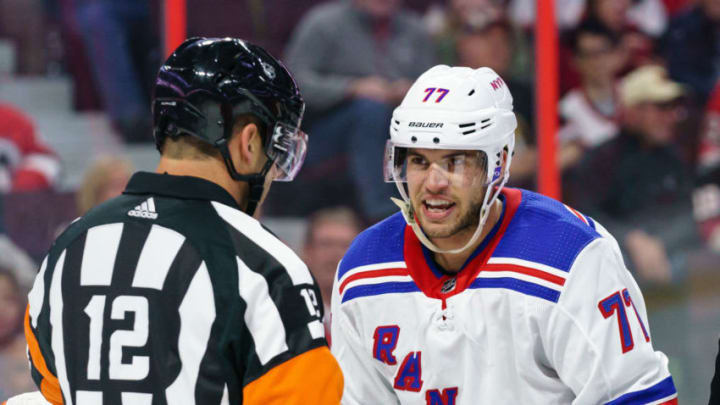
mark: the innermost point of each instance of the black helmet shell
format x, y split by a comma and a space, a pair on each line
207, 82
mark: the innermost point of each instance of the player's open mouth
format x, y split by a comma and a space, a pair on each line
437, 209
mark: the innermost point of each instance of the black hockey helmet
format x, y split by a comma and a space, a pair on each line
207, 82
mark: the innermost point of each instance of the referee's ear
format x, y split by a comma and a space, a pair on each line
246, 149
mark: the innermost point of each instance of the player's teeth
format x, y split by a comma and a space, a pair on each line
437, 204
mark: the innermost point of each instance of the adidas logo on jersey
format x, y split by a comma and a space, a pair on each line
145, 210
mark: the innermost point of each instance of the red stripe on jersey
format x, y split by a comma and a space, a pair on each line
373, 274
529, 271
430, 284
673, 401
579, 215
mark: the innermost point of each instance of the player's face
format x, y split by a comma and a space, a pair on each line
446, 188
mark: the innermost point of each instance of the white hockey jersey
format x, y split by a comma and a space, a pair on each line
543, 312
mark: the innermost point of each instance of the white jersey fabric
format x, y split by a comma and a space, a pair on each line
584, 123
543, 312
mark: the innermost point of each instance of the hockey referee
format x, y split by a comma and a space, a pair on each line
172, 293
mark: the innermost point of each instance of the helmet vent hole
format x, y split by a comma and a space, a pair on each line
471, 92
486, 123
436, 140
397, 122
468, 132
469, 124
413, 139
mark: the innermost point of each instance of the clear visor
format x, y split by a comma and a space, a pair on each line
404, 164
287, 149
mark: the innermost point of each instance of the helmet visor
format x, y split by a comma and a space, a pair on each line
287, 149
403, 164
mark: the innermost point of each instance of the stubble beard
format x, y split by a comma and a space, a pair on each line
467, 222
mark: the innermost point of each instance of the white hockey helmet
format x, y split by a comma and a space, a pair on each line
454, 108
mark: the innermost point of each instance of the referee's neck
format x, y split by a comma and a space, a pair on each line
212, 170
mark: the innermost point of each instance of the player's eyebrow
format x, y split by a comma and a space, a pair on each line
414, 152
455, 153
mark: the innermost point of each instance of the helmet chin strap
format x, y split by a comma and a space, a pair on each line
408, 213
406, 208
256, 181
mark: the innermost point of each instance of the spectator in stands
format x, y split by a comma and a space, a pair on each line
647, 17
447, 22
14, 375
590, 112
492, 45
105, 179
692, 47
329, 234
650, 16
635, 24
354, 60
12, 257
706, 196
123, 55
637, 186
26, 163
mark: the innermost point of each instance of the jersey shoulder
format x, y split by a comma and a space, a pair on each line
381, 243
547, 232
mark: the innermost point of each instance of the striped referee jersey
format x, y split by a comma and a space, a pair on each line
170, 294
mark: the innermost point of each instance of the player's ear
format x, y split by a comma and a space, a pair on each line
504, 159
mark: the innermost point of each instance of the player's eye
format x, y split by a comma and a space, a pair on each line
417, 161
452, 163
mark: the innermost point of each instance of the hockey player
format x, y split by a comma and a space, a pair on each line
173, 293
475, 293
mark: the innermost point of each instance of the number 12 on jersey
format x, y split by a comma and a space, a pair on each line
139, 366
615, 304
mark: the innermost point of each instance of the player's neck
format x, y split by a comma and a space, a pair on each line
452, 262
211, 170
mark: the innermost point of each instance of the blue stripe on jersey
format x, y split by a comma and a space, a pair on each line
544, 231
522, 286
381, 243
663, 389
590, 222
379, 289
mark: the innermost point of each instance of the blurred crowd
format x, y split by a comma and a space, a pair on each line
638, 145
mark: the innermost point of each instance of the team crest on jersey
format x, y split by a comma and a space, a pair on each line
448, 285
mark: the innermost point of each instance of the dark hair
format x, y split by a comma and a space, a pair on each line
186, 146
591, 27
